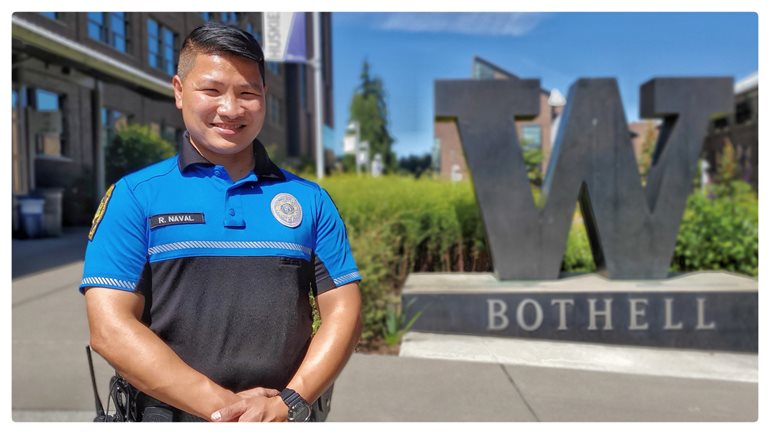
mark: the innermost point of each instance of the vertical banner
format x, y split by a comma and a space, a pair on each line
285, 39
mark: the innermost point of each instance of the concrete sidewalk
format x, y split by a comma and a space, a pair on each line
436, 378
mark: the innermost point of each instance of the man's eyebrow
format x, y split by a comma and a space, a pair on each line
210, 81
251, 86
214, 82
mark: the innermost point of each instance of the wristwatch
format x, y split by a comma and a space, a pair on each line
299, 409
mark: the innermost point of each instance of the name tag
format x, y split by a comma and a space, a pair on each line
182, 218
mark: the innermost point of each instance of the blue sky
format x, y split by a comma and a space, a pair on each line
408, 51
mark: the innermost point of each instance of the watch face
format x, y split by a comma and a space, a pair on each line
299, 413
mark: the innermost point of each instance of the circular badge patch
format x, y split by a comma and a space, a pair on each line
286, 210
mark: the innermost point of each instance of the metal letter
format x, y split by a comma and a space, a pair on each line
702, 315
632, 229
634, 313
497, 313
606, 313
562, 310
520, 315
670, 316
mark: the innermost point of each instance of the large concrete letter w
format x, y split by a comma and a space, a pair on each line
632, 229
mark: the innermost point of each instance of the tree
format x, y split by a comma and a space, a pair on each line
416, 165
368, 108
133, 147
648, 147
727, 166
533, 158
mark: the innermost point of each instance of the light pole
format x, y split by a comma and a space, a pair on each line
319, 146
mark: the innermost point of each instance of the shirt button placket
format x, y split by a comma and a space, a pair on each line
233, 209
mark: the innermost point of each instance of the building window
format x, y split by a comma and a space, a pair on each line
110, 28
169, 134
274, 67
482, 71
112, 121
229, 18
530, 136
742, 112
47, 122
255, 34
51, 15
162, 47
719, 123
274, 110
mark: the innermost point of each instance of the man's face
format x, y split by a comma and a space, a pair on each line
222, 99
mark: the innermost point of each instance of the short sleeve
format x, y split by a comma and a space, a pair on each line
334, 263
117, 248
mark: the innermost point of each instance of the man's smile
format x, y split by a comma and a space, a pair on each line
228, 128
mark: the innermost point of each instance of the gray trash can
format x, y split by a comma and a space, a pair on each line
52, 211
31, 216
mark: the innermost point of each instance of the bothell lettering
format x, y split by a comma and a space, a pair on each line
530, 315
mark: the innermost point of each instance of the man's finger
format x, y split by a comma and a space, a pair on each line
259, 391
229, 413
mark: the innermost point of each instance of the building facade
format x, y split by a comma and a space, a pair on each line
77, 77
532, 133
739, 129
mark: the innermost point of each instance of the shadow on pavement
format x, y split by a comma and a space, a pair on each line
40, 254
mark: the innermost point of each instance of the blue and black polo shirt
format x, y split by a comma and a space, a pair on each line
225, 266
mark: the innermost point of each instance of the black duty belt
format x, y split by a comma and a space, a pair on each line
150, 409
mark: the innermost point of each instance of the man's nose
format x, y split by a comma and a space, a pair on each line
229, 106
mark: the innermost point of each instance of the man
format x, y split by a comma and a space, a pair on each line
199, 268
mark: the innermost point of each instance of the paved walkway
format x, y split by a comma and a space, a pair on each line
436, 378
40, 254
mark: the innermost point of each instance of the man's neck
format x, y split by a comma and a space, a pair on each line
237, 165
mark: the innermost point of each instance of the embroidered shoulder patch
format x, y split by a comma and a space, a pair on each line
286, 210
100, 212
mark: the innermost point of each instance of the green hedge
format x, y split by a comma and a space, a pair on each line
720, 231
400, 224
133, 147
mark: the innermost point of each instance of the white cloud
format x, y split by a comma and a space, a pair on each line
510, 24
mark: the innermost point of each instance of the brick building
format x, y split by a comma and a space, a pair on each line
536, 132
741, 129
76, 77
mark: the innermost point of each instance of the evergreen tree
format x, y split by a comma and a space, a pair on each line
369, 109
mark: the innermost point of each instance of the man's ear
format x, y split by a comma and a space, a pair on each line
177, 83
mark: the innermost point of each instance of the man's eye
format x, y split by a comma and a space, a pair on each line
210, 91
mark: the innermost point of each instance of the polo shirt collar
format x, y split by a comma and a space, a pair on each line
263, 166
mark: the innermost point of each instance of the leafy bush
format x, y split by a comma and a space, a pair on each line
400, 224
397, 225
134, 147
719, 231
577, 256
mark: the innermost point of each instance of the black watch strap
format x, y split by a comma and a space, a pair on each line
296, 404
290, 397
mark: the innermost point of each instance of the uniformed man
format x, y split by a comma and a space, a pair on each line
199, 268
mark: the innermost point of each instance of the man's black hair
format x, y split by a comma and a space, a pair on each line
219, 39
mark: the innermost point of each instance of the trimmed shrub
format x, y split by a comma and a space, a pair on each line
397, 225
134, 147
720, 231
